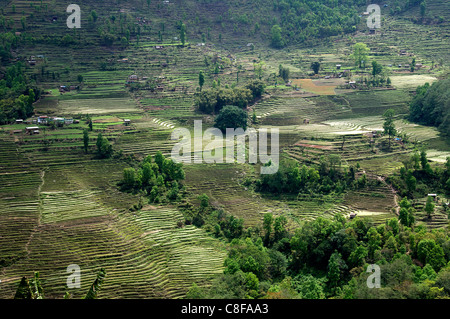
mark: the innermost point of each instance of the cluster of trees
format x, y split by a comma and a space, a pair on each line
431, 106
283, 73
305, 21
417, 179
231, 117
16, 95
327, 178
212, 219
328, 259
104, 148
399, 6
8, 41
212, 100
32, 289
380, 76
157, 177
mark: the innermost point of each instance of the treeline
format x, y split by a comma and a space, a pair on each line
212, 100
431, 106
303, 21
326, 178
417, 179
16, 94
156, 177
329, 259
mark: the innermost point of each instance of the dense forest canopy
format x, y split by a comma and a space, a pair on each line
431, 105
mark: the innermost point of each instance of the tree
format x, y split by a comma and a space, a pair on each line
406, 213
360, 51
429, 206
183, 34
315, 66
336, 267
377, 68
423, 8
195, 292
201, 79
159, 159
94, 16
276, 37
411, 182
257, 88
23, 21
388, 125
30, 289
310, 287
85, 140
129, 178
429, 252
267, 225
148, 175
96, 285
80, 78
204, 201
231, 116
283, 73
24, 289
104, 148
279, 227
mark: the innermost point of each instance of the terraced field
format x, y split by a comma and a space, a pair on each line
19, 199
61, 206
144, 253
221, 183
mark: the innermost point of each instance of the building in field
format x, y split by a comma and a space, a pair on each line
43, 119
31, 130
133, 78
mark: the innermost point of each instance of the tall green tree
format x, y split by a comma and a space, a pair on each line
276, 37
315, 66
267, 225
429, 206
388, 125
201, 79
423, 8
406, 213
104, 148
231, 116
183, 34
96, 285
377, 68
360, 52
85, 140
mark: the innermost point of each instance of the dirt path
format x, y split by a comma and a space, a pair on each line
42, 175
397, 207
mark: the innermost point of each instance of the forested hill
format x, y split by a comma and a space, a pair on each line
276, 22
